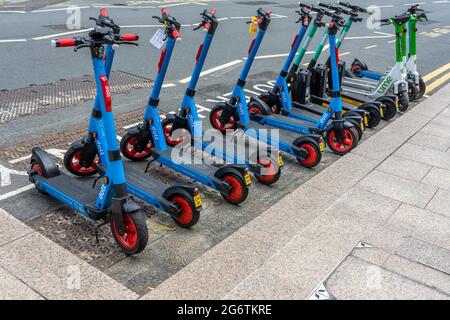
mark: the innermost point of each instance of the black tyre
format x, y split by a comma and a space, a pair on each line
412, 91
422, 88
135, 238
390, 108
350, 141
403, 102
128, 147
35, 166
374, 116
72, 162
167, 125
272, 172
214, 119
189, 214
239, 190
314, 155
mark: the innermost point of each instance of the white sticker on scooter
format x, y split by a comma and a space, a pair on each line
158, 39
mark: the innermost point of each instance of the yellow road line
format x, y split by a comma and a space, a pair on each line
437, 82
436, 72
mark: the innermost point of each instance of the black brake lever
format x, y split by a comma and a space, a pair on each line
81, 46
130, 43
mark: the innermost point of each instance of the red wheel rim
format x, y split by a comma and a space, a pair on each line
131, 151
236, 191
342, 147
270, 171
75, 164
254, 109
38, 169
168, 134
186, 215
218, 124
129, 238
311, 159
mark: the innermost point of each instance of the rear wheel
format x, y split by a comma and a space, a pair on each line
134, 238
412, 91
271, 172
36, 167
73, 162
238, 190
171, 140
390, 109
374, 117
314, 155
131, 150
349, 142
274, 107
189, 215
214, 119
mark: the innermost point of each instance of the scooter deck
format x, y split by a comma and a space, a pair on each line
362, 97
284, 136
74, 189
201, 168
139, 179
314, 110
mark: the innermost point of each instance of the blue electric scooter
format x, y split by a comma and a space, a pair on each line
181, 202
111, 204
265, 167
233, 114
279, 98
325, 125
148, 139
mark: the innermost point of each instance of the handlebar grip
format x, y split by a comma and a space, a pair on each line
103, 12
176, 34
129, 37
164, 11
206, 26
213, 12
64, 42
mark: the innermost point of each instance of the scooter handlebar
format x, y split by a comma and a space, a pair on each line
170, 23
208, 19
65, 42
129, 37
352, 7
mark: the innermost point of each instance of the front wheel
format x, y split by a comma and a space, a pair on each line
422, 88
134, 238
36, 167
412, 91
189, 215
238, 190
217, 123
270, 172
73, 162
131, 150
349, 142
171, 139
403, 101
314, 155
374, 116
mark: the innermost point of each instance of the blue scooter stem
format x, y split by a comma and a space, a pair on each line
200, 62
252, 54
295, 47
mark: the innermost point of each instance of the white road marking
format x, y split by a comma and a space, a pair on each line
212, 70
200, 3
411, 4
50, 36
251, 92
384, 33
344, 53
370, 47
20, 159
5, 175
173, 5
386, 6
60, 9
16, 11
221, 19
16, 192
13, 40
443, 1
367, 37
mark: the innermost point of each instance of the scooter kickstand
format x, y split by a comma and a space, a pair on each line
96, 230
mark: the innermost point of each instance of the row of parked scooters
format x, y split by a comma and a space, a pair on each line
313, 107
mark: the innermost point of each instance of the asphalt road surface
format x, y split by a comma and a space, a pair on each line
28, 59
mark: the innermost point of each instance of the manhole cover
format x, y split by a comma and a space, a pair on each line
38, 99
256, 3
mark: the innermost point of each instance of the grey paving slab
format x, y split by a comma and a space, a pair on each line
421, 224
14, 289
440, 203
380, 145
425, 253
385, 238
299, 266
11, 228
398, 188
436, 129
57, 274
438, 177
432, 106
365, 205
358, 279
344, 174
419, 272
430, 141
425, 155
405, 168
290, 216
216, 272
372, 255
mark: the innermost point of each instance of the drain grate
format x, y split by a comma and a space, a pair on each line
38, 99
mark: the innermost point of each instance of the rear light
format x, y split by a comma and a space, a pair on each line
196, 191
103, 12
246, 171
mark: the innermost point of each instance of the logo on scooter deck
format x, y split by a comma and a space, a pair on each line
385, 85
106, 89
